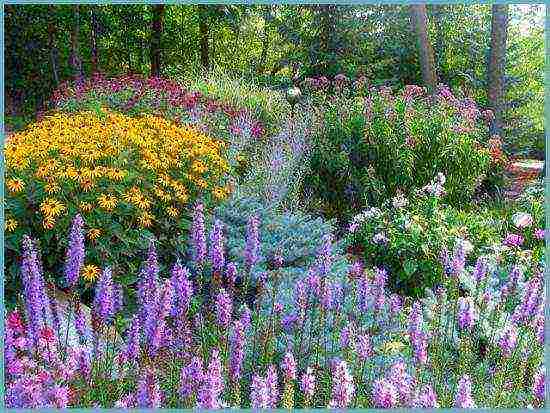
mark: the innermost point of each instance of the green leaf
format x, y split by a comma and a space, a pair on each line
410, 266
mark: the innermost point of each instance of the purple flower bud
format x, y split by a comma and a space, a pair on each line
198, 237
80, 324
75, 252
463, 397
415, 319
246, 317
132, 342
300, 295
466, 313
307, 383
272, 382
212, 385
224, 308
231, 273
384, 394
480, 270
395, 304
237, 351
259, 393
288, 366
420, 348
183, 290
252, 247
508, 340
148, 392
217, 247
343, 389
104, 305
191, 377
324, 256
426, 399
539, 384
363, 347
513, 240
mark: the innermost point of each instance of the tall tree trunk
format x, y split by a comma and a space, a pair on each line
156, 35
439, 51
52, 42
265, 47
74, 58
203, 31
496, 64
93, 39
328, 26
420, 23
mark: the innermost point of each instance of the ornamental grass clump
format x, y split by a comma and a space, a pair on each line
186, 349
127, 177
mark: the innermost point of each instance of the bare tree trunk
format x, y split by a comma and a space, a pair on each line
496, 64
52, 42
203, 30
156, 35
420, 23
74, 58
93, 39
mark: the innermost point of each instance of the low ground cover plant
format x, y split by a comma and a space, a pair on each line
475, 343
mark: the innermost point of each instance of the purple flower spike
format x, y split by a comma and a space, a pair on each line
104, 305
343, 389
198, 237
538, 385
237, 351
259, 393
463, 398
272, 383
307, 383
75, 252
212, 385
508, 340
288, 366
364, 347
466, 313
132, 342
191, 377
384, 394
217, 247
252, 248
224, 308
183, 290
426, 399
148, 392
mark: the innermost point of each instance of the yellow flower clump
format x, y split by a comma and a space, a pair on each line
144, 168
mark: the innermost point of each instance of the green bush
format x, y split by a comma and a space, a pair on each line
369, 148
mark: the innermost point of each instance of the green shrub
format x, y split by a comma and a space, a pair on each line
370, 148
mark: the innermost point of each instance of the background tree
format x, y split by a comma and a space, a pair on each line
496, 64
156, 36
420, 23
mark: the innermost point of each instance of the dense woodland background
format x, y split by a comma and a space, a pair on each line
494, 54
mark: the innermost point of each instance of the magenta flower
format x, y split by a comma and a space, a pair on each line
236, 357
426, 399
148, 394
539, 234
539, 384
272, 383
259, 393
513, 240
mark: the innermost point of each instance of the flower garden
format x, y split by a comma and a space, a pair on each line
353, 249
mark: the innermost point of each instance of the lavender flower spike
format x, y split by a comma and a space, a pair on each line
259, 393
75, 252
148, 391
103, 302
343, 389
252, 248
198, 237
463, 398
217, 247
224, 308
212, 385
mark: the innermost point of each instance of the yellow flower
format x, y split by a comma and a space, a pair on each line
94, 233
51, 207
145, 219
90, 272
48, 222
15, 184
199, 167
172, 211
11, 224
86, 206
219, 193
107, 202
52, 188
393, 347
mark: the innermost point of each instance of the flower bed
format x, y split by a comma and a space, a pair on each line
344, 342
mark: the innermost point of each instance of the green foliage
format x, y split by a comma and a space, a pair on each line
370, 149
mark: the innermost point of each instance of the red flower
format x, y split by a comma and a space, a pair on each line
15, 322
47, 334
